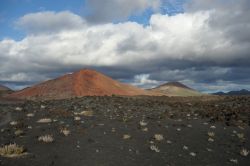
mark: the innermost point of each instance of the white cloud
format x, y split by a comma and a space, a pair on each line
50, 22
143, 80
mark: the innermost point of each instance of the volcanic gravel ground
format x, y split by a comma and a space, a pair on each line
134, 131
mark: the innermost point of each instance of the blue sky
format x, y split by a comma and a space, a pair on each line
11, 10
148, 42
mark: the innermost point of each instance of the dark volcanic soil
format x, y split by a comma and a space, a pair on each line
97, 140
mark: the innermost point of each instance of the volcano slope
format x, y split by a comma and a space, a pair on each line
4, 90
128, 131
176, 89
82, 83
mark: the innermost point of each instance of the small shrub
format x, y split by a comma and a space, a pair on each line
158, 137
126, 136
13, 123
87, 113
154, 148
46, 138
19, 132
77, 118
211, 134
143, 123
244, 152
12, 150
240, 135
30, 115
44, 120
65, 131
18, 109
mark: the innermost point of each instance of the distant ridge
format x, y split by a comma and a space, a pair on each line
176, 89
240, 92
174, 84
4, 90
85, 82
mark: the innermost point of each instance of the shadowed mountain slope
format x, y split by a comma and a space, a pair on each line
4, 90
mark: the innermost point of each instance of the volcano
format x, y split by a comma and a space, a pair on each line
175, 89
82, 83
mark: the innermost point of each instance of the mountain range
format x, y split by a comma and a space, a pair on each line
88, 82
240, 92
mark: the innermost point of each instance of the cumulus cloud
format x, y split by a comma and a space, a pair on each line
110, 10
203, 45
49, 22
144, 81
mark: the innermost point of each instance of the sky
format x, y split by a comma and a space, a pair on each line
203, 44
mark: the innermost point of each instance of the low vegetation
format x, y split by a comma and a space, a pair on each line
44, 120
46, 138
12, 150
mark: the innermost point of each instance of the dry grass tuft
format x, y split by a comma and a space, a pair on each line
154, 148
18, 109
158, 137
241, 135
19, 132
65, 131
211, 134
143, 123
46, 138
77, 118
30, 115
44, 120
87, 113
126, 136
13, 123
244, 152
12, 150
